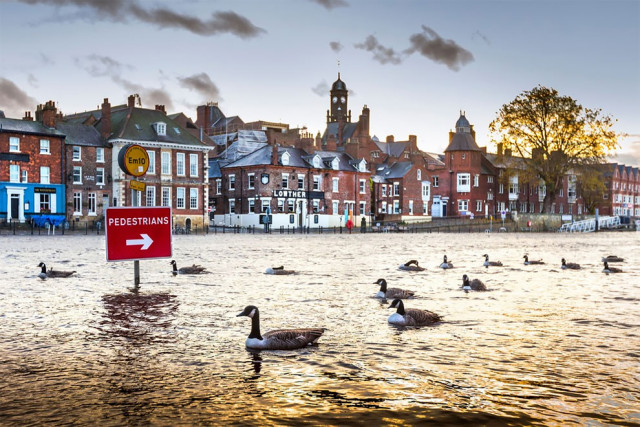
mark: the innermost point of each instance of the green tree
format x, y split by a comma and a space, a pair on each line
553, 134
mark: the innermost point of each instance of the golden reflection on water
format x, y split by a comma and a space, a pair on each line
543, 345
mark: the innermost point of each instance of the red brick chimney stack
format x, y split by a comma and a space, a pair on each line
131, 101
274, 154
390, 138
161, 108
413, 139
27, 116
49, 111
105, 120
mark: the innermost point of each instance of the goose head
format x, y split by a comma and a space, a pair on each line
398, 304
382, 283
606, 265
465, 282
486, 257
43, 266
564, 261
445, 259
249, 311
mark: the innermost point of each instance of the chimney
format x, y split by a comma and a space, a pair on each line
500, 145
105, 119
131, 101
27, 116
49, 114
507, 152
161, 108
413, 140
390, 138
274, 154
364, 121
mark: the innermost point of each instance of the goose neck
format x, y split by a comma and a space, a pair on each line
255, 326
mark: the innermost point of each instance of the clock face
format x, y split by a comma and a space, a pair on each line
335, 99
343, 99
264, 178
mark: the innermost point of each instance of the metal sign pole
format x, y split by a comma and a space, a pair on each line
136, 263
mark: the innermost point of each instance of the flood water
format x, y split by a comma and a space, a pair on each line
542, 347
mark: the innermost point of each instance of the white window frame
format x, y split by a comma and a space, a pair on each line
14, 144
410, 207
100, 176
396, 206
478, 205
251, 181
464, 182
300, 181
285, 181
92, 200
152, 162
180, 166
166, 196
150, 195
363, 206
335, 207
77, 174
218, 186
14, 173
362, 186
180, 197
77, 153
396, 188
193, 165
252, 205
25, 176
317, 182
165, 163
384, 190
232, 181
77, 203
45, 146
99, 155
463, 205
476, 180
436, 181
193, 198
232, 206
45, 175
335, 185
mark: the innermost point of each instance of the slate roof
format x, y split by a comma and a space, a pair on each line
332, 129
27, 126
393, 149
462, 141
394, 171
79, 134
214, 169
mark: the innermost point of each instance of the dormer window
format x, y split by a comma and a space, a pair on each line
286, 157
362, 166
335, 164
160, 128
316, 161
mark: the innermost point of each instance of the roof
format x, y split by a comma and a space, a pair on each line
339, 84
79, 134
394, 149
27, 126
394, 171
462, 141
332, 130
462, 122
214, 169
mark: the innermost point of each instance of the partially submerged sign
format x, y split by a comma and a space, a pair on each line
134, 233
137, 185
133, 160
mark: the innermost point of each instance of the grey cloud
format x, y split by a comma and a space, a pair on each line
431, 45
330, 4
202, 84
32, 80
121, 10
631, 155
321, 89
336, 46
13, 100
383, 55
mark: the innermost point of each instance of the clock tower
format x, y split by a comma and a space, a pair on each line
338, 102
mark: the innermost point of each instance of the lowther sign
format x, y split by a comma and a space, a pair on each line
138, 233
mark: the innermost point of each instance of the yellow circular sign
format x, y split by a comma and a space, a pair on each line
134, 160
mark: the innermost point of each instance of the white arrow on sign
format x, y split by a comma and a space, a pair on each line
146, 241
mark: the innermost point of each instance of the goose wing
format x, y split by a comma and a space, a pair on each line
194, 269
477, 285
417, 317
495, 263
59, 273
393, 293
283, 272
289, 339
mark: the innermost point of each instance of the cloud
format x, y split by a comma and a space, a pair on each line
631, 154
321, 89
13, 100
330, 4
32, 80
383, 55
336, 46
122, 10
478, 34
431, 45
202, 84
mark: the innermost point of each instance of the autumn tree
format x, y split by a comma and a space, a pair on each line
553, 134
591, 186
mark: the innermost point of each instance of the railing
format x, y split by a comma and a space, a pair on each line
589, 225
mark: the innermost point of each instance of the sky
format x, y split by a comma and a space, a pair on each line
414, 63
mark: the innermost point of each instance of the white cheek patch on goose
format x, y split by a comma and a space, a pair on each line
253, 312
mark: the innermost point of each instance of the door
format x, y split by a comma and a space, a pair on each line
15, 206
444, 209
300, 213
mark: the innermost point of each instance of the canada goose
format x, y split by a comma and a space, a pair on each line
473, 285
411, 316
391, 293
570, 265
446, 264
194, 269
52, 273
608, 269
613, 258
534, 262
488, 263
411, 266
279, 270
280, 339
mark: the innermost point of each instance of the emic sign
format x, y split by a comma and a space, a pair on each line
133, 160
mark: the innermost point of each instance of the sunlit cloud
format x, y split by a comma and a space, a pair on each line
220, 22
202, 84
382, 54
336, 46
13, 100
331, 4
430, 45
630, 150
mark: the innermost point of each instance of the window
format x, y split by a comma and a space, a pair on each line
180, 194
335, 185
77, 153
384, 207
424, 208
410, 207
464, 156
25, 175
77, 174
335, 208
45, 203
501, 188
252, 205
14, 143
45, 175
300, 182
362, 186
180, 164
152, 162
193, 198
363, 206
489, 195
476, 180
285, 181
285, 158
218, 186
478, 205
464, 182
193, 165
232, 206
396, 188
561, 208
315, 205
490, 179
166, 196
425, 190
14, 173
45, 146
384, 190
419, 175
396, 206
151, 195
232, 182
100, 176
435, 181
463, 206
161, 128
290, 205
100, 155
571, 192
561, 193
77, 203
513, 188
252, 181
166, 163
280, 205
264, 205
92, 203
316, 182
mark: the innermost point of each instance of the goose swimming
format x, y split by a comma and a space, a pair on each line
446, 264
473, 285
391, 293
569, 265
279, 270
488, 263
411, 266
52, 273
194, 269
608, 269
279, 339
612, 258
411, 316
533, 262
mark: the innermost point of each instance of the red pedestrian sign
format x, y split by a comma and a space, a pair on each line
133, 233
